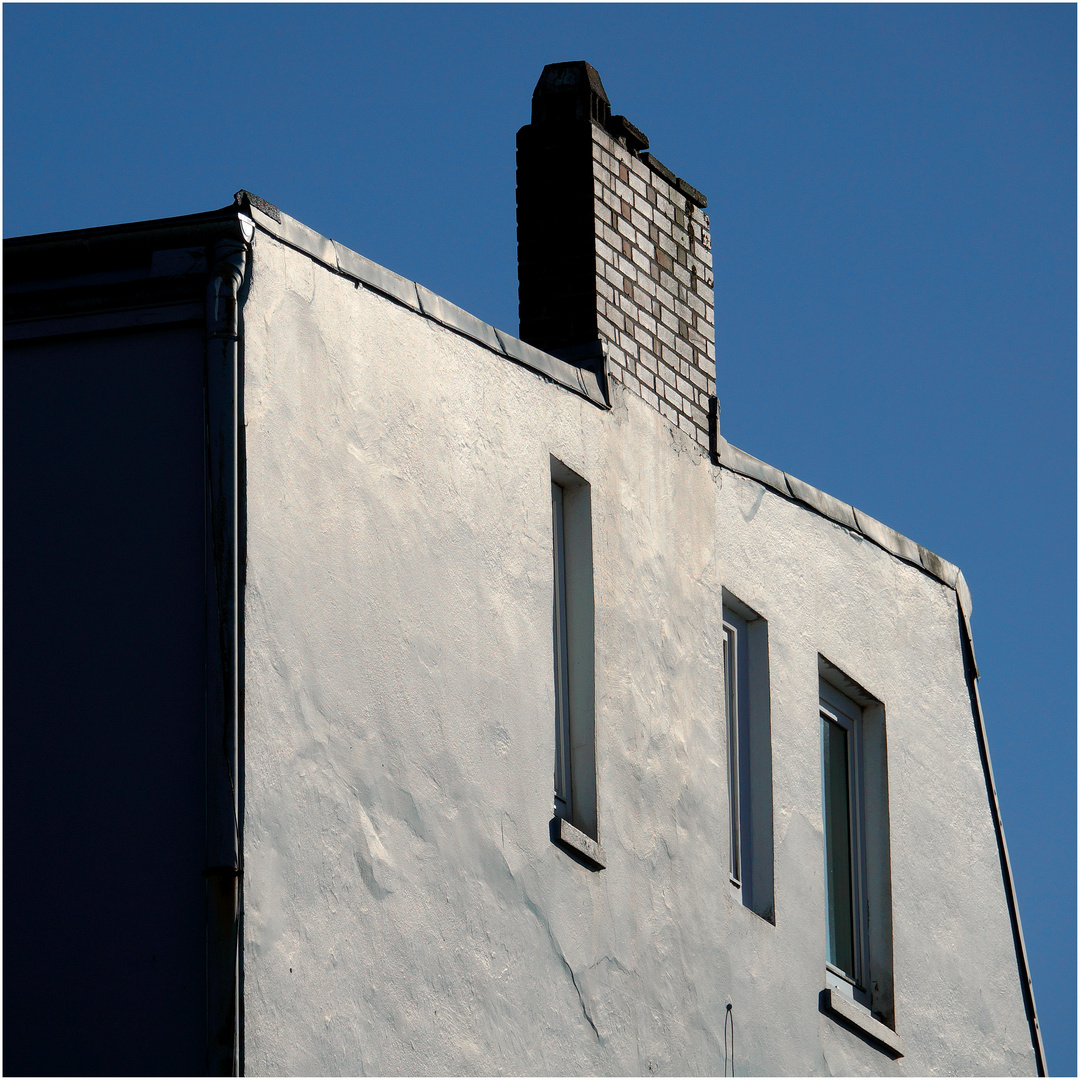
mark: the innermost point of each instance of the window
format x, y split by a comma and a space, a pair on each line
855, 818
749, 755
737, 700
845, 843
572, 642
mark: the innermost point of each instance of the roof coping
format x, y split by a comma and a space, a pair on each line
738, 461
589, 383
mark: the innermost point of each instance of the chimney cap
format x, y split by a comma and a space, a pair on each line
570, 90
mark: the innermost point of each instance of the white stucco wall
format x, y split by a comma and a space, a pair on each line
405, 911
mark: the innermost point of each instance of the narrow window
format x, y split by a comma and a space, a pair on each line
749, 755
845, 890
563, 800
735, 678
573, 649
855, 819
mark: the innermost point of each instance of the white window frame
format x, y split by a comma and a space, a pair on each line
573, 645
747, 732
564, 806
737, 703
836, 708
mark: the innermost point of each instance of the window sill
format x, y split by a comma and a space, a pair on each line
863, 1022
584, 845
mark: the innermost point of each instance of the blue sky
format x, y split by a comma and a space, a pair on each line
893, 203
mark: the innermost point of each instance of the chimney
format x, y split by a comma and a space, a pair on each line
613, 251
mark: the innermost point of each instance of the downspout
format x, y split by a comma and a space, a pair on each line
224, 543
1026, 987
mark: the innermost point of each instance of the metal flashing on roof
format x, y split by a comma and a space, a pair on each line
588, 381
940, 568
746, 465
456, 318
964, 594
585, 380
585, 375
377, 277
824, 504
888, 538
738, 461
296, 234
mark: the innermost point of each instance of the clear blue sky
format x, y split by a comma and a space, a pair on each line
893, 201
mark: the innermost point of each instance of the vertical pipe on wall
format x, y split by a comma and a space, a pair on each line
223, 614
1026, 987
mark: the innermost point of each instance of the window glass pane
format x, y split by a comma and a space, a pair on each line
837, 807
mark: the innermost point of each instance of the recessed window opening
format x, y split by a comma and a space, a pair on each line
573, 648
735, 679
749, 755
563, 798
855, 819
845, 885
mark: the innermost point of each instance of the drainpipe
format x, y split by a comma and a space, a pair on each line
1026, 988
224, 540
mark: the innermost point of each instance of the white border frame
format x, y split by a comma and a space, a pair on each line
835, 707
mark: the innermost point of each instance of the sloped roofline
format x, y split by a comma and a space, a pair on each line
586, 381
589, 384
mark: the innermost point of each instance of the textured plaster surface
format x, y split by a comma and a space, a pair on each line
405, 911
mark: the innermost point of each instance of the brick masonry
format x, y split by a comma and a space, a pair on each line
614, 248
654, 285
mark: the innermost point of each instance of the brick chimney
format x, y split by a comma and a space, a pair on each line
613, 251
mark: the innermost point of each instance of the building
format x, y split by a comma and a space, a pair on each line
394, 696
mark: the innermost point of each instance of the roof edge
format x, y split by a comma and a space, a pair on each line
743, 464
106, 232
738, 461
588, 382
